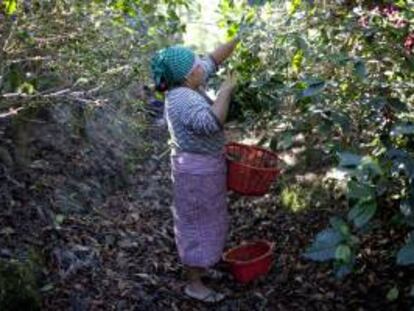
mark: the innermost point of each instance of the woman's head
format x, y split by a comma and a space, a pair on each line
196, 75
176, 65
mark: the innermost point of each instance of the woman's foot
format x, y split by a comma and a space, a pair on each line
199, 291
214, 274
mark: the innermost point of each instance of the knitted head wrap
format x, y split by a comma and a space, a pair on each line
171, 65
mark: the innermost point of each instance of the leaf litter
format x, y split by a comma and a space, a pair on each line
121, 255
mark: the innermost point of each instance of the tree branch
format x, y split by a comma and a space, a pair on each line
15, 101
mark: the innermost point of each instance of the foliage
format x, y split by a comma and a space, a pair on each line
341, 74
335, 243
80, 50
71, 115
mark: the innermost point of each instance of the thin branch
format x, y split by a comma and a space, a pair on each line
15, 99
29, 59
56, 38
11, 112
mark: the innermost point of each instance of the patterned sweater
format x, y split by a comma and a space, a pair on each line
192, 124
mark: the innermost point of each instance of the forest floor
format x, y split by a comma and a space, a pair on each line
122, 256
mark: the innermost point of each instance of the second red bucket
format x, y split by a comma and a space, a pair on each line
249, 261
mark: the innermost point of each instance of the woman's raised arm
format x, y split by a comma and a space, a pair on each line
224, 50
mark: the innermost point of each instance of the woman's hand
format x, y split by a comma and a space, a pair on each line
230, 83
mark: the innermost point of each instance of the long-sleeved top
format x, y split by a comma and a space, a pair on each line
191, 122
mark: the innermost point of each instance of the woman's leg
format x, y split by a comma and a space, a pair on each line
194, 279
197, 289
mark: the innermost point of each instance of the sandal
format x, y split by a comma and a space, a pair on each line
211, 297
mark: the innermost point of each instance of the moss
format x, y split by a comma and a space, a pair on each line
18, 288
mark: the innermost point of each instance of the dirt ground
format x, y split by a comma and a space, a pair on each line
122, 256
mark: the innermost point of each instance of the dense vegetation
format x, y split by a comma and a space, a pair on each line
329, 82
341, 75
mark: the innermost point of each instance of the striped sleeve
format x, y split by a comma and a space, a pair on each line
209, 66
197, 116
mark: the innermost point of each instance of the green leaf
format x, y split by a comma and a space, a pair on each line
313, 89
320, 253
362, 213
377, 102
348, 159
343, 253
328, 237
406, 208
360, 70
256, 2
371, 165
359, 190
340, 59
402, 130
397, 105
293, 6
405, 255
26, 88
286, 141
324, 246
10, 6
297, 60
301, 43
393, 294
340, 226
273, 143
342, 119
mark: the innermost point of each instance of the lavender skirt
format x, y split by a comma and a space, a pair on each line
201, 220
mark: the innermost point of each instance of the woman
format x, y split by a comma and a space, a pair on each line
195, 123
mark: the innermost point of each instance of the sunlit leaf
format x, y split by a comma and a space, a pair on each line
10, 6
297, 60
26, 88
293, 6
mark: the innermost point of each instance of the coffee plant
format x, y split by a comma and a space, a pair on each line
340, 73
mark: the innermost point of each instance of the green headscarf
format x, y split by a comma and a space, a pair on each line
171, 65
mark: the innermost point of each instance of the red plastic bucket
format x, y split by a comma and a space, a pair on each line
251, 169
249, 261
